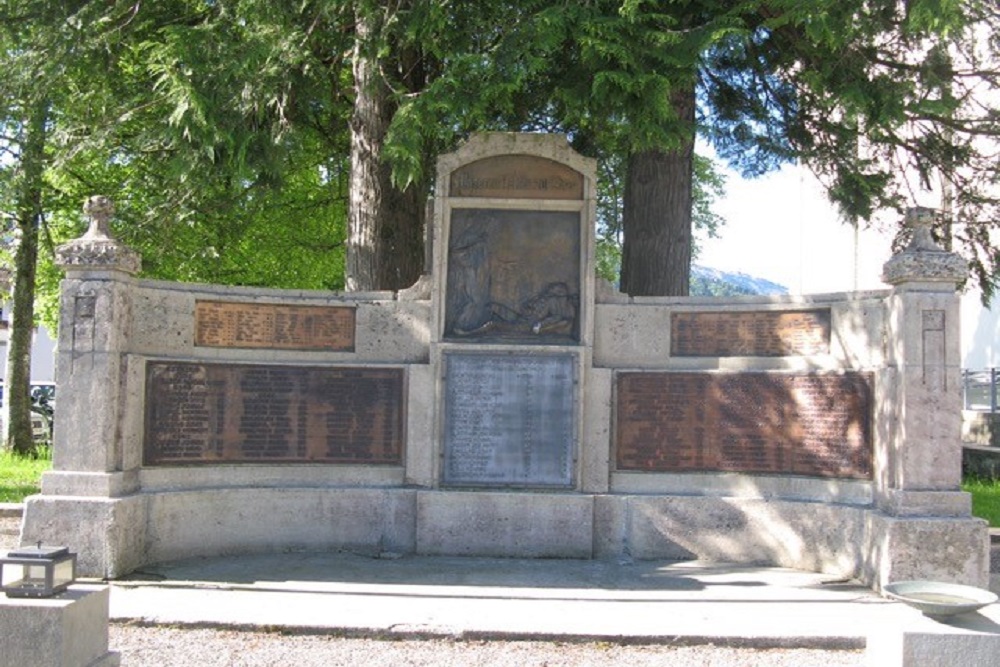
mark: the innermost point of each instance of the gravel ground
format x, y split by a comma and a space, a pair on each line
172, 647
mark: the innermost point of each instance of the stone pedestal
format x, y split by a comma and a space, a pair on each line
970, 640
69, 630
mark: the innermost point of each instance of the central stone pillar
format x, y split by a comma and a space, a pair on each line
512, 339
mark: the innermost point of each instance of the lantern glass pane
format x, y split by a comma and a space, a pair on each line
35, 575
63, 573
12, 574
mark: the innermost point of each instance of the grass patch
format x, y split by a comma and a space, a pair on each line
21, 476
985, 498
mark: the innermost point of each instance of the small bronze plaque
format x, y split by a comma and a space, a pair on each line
253, 325
513, 276
814, 424
750, 334
509, 420
517, 177
221, 413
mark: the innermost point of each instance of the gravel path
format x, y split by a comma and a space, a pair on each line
171, 647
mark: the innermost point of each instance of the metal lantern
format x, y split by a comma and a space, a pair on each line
37, 572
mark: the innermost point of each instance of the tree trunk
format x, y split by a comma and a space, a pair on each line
17, 433
656, 215
385, 225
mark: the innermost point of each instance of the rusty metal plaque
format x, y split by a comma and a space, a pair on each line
222, 413
750, 334
513, 277
272, 326
509, 420
517, 177
810, 424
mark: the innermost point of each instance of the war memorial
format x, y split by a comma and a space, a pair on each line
510, 404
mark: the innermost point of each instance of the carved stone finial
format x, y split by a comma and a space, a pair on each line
99, 209
97, 249
921, 219
924, 261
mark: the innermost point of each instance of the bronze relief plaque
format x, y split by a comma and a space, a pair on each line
509, 420
513, 276
228, 413
272, 326
750, 334
810, 424
516, 177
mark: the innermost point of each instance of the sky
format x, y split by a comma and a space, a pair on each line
781, 227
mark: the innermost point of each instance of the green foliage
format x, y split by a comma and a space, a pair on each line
20, 475
221, 129
708, 286
985, 498
213, 127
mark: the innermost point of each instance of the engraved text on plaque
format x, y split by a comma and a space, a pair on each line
258, 325
814, 424
509, 420
205, 413
750, 334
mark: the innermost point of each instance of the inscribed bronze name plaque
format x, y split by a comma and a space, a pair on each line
509, 420
222, 413
513, 277
516, 177
257, 325
750, 334
813, 424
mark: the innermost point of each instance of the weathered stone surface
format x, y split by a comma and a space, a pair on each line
97, 254
767, 532
211, 522
108, 534
510, 525
70, 630
924, 261
954, 550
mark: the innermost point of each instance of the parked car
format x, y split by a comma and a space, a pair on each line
43, 407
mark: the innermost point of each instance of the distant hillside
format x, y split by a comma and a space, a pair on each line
713, 282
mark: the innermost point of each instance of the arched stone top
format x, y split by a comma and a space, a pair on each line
517, 166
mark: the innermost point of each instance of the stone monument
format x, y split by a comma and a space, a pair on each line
510, 404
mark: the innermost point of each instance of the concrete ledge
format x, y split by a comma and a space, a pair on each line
965, 639
69, 630
289, 476
94, 484
11, 510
